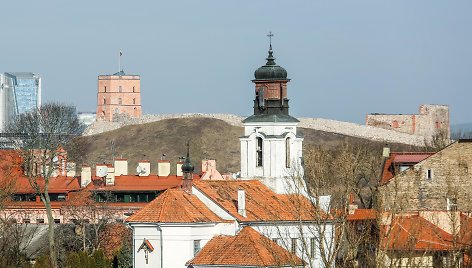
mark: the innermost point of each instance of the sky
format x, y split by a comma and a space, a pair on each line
345, 58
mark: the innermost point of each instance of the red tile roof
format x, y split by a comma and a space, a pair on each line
175, 205
414, 232
262, 204
129, 183
247, 248
362, 215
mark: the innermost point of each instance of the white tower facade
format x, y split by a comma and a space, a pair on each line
271, 150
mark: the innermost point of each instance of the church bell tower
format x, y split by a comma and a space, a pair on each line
270, 148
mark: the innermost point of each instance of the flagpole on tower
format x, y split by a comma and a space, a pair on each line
119, 60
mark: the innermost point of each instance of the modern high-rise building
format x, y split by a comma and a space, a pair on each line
19, 93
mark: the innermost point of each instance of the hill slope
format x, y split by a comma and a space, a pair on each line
209, 138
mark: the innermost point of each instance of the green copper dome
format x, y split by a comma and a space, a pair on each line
187, 167
270, 71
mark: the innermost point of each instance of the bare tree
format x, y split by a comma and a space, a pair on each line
40, 135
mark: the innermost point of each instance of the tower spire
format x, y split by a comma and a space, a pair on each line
270, 35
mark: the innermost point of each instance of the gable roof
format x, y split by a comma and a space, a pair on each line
175, 206
247, 248
413, 232
262, 204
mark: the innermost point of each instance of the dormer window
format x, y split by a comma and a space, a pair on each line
259, 152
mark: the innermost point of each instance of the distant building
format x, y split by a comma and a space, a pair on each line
432, 120
441, 181
118, 94
87, 118
19, 93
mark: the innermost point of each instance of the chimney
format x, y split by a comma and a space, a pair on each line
85, 176
208, 165
143, 168
352, 205
242, 202
121, 167
324, 202
110, 178
386, 151
71, 172
163, 168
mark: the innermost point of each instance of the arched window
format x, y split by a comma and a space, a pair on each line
120, 101
134, 101
287, 153
259, 152
133, 88
104, 101
105, 88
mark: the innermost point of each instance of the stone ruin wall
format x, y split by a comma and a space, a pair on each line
326, 125
432, 120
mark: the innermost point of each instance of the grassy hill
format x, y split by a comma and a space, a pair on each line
209, 138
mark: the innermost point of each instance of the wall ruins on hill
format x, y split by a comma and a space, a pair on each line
333, 126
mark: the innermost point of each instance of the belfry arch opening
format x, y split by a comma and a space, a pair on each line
259, 155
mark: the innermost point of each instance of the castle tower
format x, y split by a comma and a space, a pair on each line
118, 94
270, 148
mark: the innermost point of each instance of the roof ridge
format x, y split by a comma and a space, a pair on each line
164, 201
253, 242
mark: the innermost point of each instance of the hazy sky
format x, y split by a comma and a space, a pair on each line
345, 58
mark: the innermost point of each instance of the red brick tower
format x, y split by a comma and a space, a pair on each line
118, 94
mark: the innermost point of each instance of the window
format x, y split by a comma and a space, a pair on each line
120, 89
259, 152
287, 153
451, 204
429, 174
39, 220
104, 101
120, 101
312, 247
105, 88
26, 221
293, 248
276, 240
134, 101
57, 221
133, 89
196, 246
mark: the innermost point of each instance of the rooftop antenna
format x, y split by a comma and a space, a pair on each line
270, 35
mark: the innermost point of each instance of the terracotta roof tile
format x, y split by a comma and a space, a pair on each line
262, 204
140, 183
362, 214
247, 248
174, 205
413, 232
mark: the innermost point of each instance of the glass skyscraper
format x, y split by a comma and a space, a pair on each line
19, 93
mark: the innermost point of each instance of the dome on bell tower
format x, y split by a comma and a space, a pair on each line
270, 71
